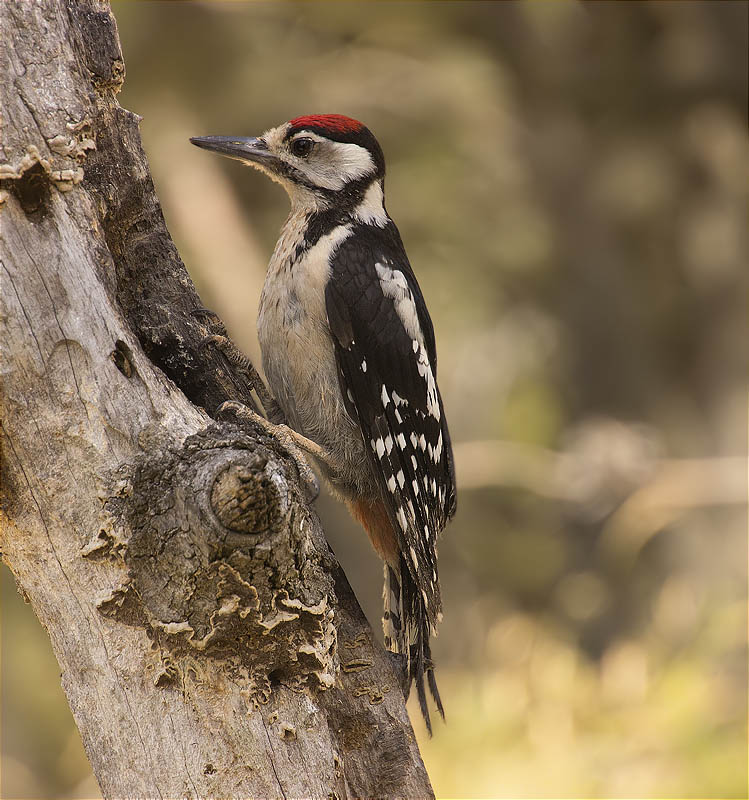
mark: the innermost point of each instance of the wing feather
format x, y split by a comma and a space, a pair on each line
384, 345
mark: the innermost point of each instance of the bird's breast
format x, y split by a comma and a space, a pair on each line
297, 349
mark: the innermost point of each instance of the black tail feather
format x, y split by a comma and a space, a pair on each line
433, 690
417, 676
408, 625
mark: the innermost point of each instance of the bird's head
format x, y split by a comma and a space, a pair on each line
321, 160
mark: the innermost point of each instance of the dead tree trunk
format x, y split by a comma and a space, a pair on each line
208, 641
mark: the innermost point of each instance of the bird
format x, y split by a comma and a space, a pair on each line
349, 356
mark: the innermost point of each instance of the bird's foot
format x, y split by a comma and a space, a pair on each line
220, 339
210, 320
289, 442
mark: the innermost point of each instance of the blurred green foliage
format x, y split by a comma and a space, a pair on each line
570, 181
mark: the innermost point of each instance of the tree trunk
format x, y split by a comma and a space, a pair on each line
208, 640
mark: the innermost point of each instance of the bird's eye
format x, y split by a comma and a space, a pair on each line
302, 147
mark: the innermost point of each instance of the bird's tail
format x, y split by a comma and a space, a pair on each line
407, 628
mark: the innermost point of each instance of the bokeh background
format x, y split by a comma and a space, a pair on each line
570, 181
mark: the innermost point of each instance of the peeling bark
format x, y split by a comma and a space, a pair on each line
209, 642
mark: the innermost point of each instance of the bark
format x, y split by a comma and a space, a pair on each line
208, 641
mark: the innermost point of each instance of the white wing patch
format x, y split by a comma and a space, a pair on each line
425, 370
401, 517
394, 285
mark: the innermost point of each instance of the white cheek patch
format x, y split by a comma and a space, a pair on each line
333, 164
353, 161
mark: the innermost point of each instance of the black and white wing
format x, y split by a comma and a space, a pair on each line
385, 351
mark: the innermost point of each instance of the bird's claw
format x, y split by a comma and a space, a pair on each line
215, 338
210, 319
241, 362
282, 436
220, 339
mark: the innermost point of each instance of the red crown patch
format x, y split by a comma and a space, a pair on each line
335, 123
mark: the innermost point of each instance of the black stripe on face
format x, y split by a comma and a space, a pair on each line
296, 176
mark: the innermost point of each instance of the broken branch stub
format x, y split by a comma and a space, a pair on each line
220, 563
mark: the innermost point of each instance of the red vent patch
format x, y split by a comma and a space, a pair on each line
335, 123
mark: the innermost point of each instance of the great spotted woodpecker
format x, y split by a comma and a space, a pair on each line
349, 355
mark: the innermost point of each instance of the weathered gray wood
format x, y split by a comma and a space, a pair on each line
208, 641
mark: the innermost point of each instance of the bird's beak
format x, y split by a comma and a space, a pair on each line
242, 148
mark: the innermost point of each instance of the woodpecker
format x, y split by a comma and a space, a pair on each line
348, 352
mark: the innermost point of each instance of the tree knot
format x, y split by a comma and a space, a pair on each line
219, 563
